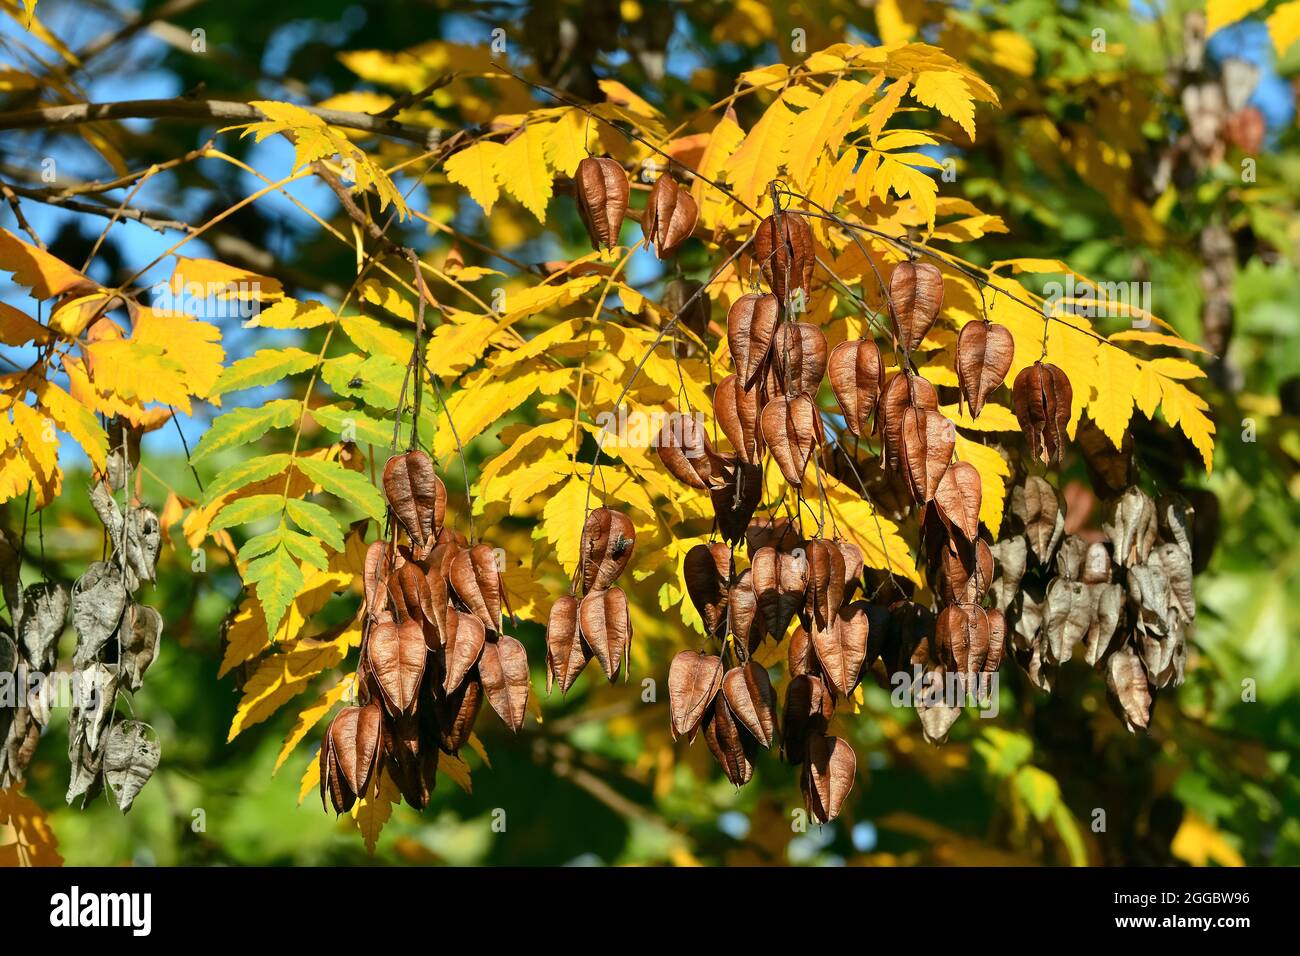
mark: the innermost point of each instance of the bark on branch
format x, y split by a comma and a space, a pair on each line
198, 110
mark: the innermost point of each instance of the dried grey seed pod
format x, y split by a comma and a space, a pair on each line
1148, 590
1177, 566
1177, 518
1128, 690
123, 452
1071, 606
141, 628
19, 745
1070, 556
1038, 510
1097, 566
143, 535
86, 780
1040, 670
131, 755
45, 612
1009, 558
92, 706
98, 600
1105, 622
1029, 621
1132, 527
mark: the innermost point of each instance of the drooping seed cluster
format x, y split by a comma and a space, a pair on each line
117, 641
433, 646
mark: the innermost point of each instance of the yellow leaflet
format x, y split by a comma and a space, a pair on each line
822, 127
485, 399
390, 300
562, 520
374, 809
220, 281
282, 676
310, 777
44, 274
520, 168
886, 106
291, 314
40, 440
17, 328
723, 143
754, 164
1185, 410
307, 719
475, 168
75, 419
1220, 13
949, 94
1157, 338
993, 417
898, 20
1111, 406
877, 537
1284, 26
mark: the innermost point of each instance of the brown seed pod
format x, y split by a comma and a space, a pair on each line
694, 679
735, 502
418, 498
457, 712
1129, 690
670, 216
997, 640
842, 647
927, 442
780, 580
605, 548
961, 636
355, 740
790, 428
411, 598
477, 582
901, 393
825, 591
605, 626
707, 571
800, 655
828, 776
752, 701
731, 745
763, 532
377, 569
1042, 397
737, 412
915, 296
687, 453
799, 357
503, 669
396, 655
958, 498
751, 325
853, 565
984, 354
966, 572
809, 707
857, 375
440, 602
742, 612
783, 246
602, 189
463, 645
566, 654
341, 794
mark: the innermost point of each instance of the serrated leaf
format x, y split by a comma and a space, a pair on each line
351, 486
277, 578
242, 426
263, 367
245, 473
315, 520
247, 510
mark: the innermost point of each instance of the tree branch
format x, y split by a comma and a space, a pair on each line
197, 110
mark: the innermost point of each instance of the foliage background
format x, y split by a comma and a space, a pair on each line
1068, 162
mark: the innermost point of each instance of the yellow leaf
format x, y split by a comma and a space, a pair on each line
75, 419
44, 274
206, 278
310, 777
568, 141
1220, 13
475, 168
17, 328
822, 127
886, 106
291, 314
26, 838
754, 164
374, 809
1200, 844
562, 520
949, 94
40, 439
1157, 338
1111, 406
282, 676
1284, 26
1185, 410
521, 169
898, 20
485, 399
877, 537
723, 143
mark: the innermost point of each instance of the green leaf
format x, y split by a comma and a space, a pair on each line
244, 425
245, 473
305, 548
245, 510
262, 368
260, 544
278, 580
374, 338
342, 421
317, 521
376, 380
1038, 790
351, 486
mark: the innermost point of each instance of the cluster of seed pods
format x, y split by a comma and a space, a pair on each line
433, 647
